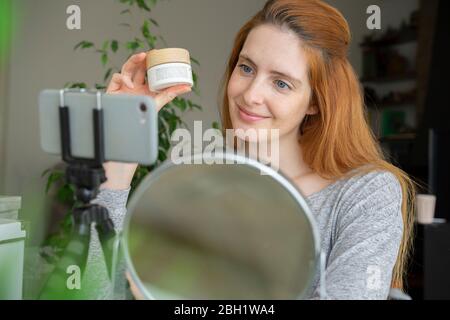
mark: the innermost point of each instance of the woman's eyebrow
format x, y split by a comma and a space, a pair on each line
291, 78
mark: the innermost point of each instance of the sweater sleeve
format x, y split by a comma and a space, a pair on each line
365, 245
115, 201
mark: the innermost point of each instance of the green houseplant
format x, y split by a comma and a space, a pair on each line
169, 118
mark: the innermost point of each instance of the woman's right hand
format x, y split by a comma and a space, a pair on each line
132, 80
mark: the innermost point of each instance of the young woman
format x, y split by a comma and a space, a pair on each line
288, 70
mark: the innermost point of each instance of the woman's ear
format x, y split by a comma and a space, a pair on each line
312, 110
313, 107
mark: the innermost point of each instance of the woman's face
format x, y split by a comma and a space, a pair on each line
269, 87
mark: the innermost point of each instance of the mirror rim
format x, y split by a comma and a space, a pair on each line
284, 181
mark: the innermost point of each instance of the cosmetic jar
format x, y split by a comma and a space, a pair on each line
168, 67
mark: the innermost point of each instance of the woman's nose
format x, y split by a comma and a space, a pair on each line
254, 94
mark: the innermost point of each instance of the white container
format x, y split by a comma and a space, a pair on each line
12, 246
425, 204
167, 68
9, 207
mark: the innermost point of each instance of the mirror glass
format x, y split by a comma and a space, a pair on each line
220, 231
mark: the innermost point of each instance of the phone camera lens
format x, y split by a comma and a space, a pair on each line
143, 107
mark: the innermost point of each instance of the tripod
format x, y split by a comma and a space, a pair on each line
86, 175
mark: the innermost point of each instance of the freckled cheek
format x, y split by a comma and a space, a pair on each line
286, 112
235, 86
279, 114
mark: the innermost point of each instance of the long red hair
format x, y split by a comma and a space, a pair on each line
337, 139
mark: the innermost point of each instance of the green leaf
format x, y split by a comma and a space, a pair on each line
84, 45
104, 59
53, 177
105, 45
194, 78
162, 124
66, 193
142, 171
195, 87
173, 122
180, 103
151, 41
162, 156
87, 45
194, 106
216, 125
43, 174
195, 61
114, 45
78, 85
132, 45
107, 74
99, 86
145, 30
154, 22
143, 5
66, 223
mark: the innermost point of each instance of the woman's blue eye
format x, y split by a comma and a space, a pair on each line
245, 68
282, 84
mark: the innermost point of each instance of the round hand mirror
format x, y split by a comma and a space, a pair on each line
220, 231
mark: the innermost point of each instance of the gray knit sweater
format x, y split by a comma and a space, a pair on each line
360, 225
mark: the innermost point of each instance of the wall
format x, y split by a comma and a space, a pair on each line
43, 57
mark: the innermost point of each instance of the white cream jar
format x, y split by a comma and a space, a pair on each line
168, 67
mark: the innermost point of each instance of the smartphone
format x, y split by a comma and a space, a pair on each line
130, 125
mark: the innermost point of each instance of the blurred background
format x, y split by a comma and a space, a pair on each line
402, 67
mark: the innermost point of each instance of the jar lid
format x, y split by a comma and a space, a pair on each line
169, 55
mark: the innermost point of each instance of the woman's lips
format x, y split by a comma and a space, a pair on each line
249, 117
